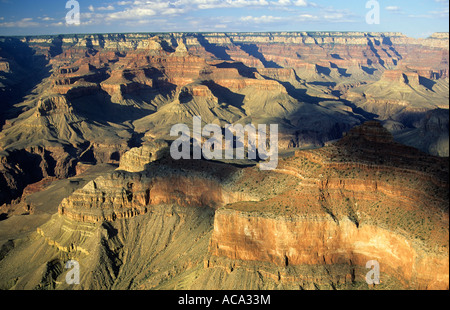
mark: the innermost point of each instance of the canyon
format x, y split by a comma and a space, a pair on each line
86, 174
196, 224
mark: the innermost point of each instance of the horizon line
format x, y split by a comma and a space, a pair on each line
222, 32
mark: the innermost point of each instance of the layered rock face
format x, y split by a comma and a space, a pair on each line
339, 209
303, 241
312, 223
20, 69
119, 197
136, 159
370, 132
247, 47
433, 132
126, 195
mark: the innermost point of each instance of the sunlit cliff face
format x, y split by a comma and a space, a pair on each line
155, 222
326, 207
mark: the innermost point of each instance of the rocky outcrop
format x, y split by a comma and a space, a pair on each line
53, 105
298, 49
136, 159
335, 213
290, 241
370, 132
328, 218
314, 222
4, 66
259, 85
124, 195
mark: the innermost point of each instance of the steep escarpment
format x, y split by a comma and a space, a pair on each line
348, 212
136, 159
318, 241
125, 254
313, 223
126, 195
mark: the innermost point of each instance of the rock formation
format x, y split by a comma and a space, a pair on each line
136, 159
312, 223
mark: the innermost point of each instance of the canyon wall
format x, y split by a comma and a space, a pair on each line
287, 241
312, 223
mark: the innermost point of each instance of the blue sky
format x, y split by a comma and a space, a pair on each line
415, 18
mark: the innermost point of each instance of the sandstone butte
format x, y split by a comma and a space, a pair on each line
312, 223
103, 102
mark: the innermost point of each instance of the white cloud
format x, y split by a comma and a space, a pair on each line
392, 8
59, 24
23, 23
282, 2
174, 14
301, 3
324, 15
440, 14
134, 13
214, 4
106, 8
261, 19
308, 17
139, 10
